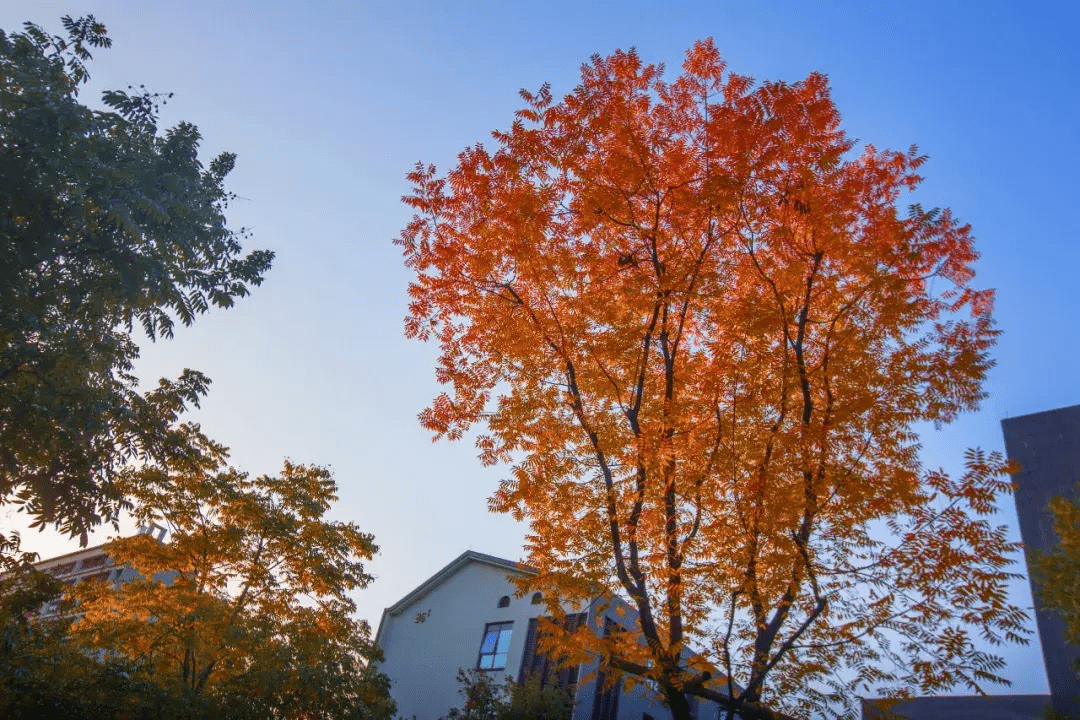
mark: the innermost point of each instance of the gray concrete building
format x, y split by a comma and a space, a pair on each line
1047, 447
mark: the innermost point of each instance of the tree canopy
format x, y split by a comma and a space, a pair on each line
692, 320
42, 673
105, 224
247, 606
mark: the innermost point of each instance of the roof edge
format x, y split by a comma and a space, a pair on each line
452, 567
80, 551
1067, 409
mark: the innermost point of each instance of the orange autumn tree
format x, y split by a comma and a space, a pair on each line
697, 328
246, 611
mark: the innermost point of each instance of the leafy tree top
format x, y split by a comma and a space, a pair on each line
247, 605
105, 223
697, 328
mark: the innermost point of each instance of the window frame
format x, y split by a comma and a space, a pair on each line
503, 626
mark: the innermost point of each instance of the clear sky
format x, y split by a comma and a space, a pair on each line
328, 105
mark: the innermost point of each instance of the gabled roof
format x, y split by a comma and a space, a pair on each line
469, 556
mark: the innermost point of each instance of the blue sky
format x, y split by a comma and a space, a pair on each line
328, 105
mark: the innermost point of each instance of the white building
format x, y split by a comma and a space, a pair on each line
466, 617
93, 563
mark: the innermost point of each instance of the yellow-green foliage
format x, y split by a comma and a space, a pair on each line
247, 605
1058, 572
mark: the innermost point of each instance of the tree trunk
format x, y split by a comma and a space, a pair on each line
678, 704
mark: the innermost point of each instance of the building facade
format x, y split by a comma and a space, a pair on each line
93, 563
1046, 445
467, 617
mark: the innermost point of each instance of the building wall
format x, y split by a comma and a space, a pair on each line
964, 707
1047, 447
93, 563
89, 563
429, 639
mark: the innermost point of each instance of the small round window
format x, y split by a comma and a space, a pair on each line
537, 598
504, 601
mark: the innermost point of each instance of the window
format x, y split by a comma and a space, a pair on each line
534, 662
537, 598
504, 601
63, 569
693, 702
606, 700
493, 648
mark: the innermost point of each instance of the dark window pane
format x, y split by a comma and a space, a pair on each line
530, 660
606, 700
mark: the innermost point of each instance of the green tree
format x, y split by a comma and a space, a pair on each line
1058, 572
105, 224
485, 700
246, 609
532, 701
